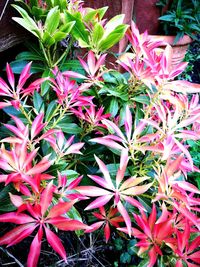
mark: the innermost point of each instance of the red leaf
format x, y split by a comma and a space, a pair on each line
125, 215
107, 232
100, 201
153, 257
13, 235
35, 249
46, 197
60, 209
55, 243
69, 225
15, 217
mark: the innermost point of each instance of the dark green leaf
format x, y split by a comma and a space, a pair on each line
125, 257
143, 99
113, 107
18, 65
38, 102
144, 262
50, 109
70, 128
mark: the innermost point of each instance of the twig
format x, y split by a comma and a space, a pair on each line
13, 257
4, 8
73, 257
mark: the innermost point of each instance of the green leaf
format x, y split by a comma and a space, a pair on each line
161, 262
37, 12
143, 99
52, 20
6, 204
70, 128
72, 65
47, 39
101, 11
113, 23
79, 31
59, 36
18, 65
113, 38
51, 108
90, 15
97, 33
167, 17
45, 86
113, 107
197, 179
119, 243
114, 77
27, 26
144, 262
115, 92
71, 175
38, 102
67, 27
125, 257
27, 22
12, 111
26, 55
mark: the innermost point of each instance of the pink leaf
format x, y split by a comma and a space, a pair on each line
10, 76
128, 123
35, 249
91, 191
55, 243
153, 257
99, 181
73, 74
137, 190
195, 257
37, 125
17, 232
152, 217
15, 217
134, 202
16, 200
69, 225
40, 167
27, 232
107, 231
46, 197
125, 215
122, 168
107, 142
25, 74
100, 201
105, 172
60, 208
94, 226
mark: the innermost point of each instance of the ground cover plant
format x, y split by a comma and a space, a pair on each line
86, 148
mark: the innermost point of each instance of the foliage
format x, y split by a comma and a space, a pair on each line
81, 135
182, 17
193, 58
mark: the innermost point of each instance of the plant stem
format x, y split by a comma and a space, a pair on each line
23, 111
53, 114
65, 54
59, 118
48, 60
